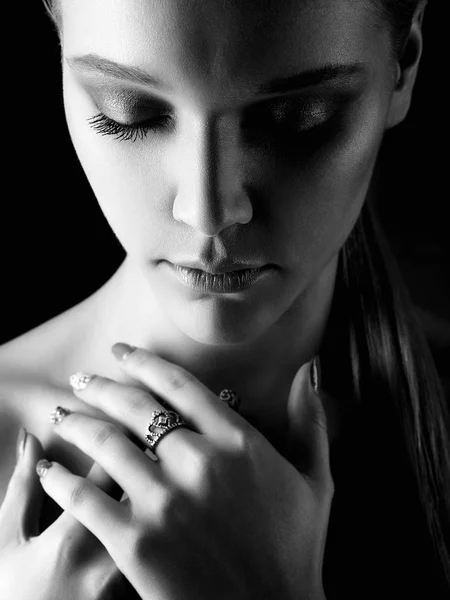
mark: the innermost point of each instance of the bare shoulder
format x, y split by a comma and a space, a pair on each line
33, 381
25, 394
9, 428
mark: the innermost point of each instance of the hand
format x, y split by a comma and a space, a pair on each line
64, 561
221, 514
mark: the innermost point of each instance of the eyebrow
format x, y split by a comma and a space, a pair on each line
110, 68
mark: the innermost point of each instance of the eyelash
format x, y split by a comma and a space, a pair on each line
106, 126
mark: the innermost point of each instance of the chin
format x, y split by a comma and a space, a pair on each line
232, 326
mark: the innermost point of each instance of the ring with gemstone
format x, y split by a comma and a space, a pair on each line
161, 423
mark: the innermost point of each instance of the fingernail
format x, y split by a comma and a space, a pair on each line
21, 441
315, 374
80, 380
122, 351
57, 415
43, 466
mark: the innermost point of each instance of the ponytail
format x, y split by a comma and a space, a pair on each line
394, 388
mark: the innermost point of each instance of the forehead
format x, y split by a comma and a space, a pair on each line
222, 46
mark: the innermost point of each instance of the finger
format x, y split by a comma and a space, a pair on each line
21, 508
100, 478
125, 405
307, 438
96, 473
133, 407
183, 391
99, 513
130, 468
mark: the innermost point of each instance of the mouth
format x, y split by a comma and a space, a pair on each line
228, 282
221, 268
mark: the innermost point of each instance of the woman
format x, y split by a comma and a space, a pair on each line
220, 137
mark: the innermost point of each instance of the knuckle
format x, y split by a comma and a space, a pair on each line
130, 540
98, 385
202, 467
330, 486
327, 487
103, 433
160, 521
138, 548
243, 440
319, 420
65, 548
79, 494
178, 378
137, 402
205, 469
169, 507
107, 582
240, 440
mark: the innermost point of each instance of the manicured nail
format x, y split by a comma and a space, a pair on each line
57, 415
315, 374
43, 466
21, 441
80, 380
122, 351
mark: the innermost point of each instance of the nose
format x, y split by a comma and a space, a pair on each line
210, 195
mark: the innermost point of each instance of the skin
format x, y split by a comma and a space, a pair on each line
273, 198
221, 181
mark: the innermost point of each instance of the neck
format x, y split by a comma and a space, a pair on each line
260, 371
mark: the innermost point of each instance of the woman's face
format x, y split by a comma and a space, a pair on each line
223, 164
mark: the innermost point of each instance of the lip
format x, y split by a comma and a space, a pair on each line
219, 283
219, 268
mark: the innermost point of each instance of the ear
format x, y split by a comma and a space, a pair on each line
407, 66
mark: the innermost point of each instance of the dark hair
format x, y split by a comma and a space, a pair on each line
54, 12
391, 375
398, 16
385, 375
391, 366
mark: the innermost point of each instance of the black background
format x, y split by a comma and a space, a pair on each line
57, 247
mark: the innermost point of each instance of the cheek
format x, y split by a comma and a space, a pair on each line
123, 182
318, 205
309, 206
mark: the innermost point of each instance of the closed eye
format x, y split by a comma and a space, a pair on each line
287, 116
128, 132
275, 119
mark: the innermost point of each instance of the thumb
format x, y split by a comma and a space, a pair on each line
21, 508
307, 436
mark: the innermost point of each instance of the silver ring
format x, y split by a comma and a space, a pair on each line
58, 414
231, 398
164, 421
